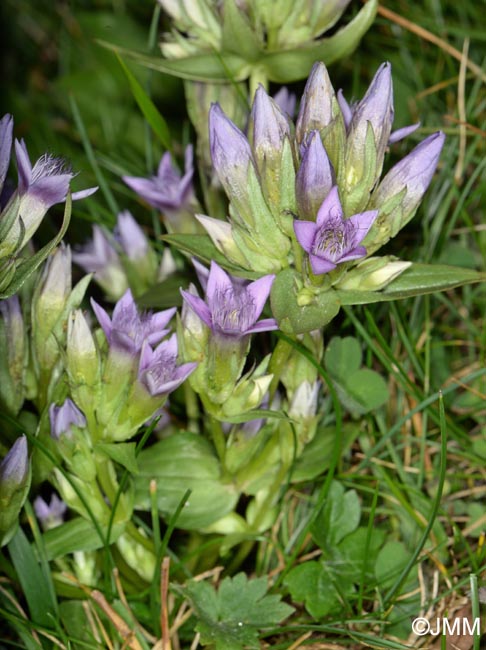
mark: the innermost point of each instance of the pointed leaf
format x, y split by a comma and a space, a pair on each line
148, 108
200, 67
238, 35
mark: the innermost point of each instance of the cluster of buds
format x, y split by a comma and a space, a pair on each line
272, 40
21, 211
121, 377
309, 196
123, 259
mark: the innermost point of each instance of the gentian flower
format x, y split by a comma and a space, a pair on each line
50, 514
128, 329
62, 418
99, 257
40, 187
158, 369
333, 239
232, 310
170, 192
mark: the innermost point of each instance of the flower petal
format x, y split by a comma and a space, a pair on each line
103, 319
264, 325
305, 231
330, 209
259, 290
218, 282
319, 265
198, 306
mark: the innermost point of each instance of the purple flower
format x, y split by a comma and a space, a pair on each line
128, 329
6, 131
169, 192
62, 418
232, 310
52, 514
131, 237
158, 370
98, 256
333, 239
40, 187
315, 177
14, 468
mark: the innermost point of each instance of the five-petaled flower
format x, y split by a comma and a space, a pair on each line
158, 369
128, 329
332, 239
232, 309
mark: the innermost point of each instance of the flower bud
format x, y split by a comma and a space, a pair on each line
372, 274
314, 179
400, 192
50, 514
82, 362
317, 108
14, 487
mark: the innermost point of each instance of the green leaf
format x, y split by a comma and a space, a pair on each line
294, 65
230, 618
35, 587
294, 319
417, 280
367, 391
76, 535
392, 558
26, 267
200, 67
314, 584
148, 108
178, 463
342, 356
122, 453
339, 517
202, 247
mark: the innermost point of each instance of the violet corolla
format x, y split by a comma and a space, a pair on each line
128, 329
230, 309
170, 192
332, 239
